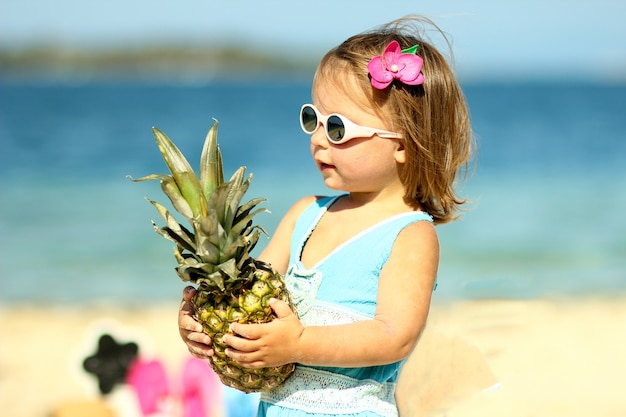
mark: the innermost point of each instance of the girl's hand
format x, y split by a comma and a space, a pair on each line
266, 345
198, 342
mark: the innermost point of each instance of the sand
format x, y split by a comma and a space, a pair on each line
476, 358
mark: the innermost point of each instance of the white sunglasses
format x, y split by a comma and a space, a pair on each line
339, 129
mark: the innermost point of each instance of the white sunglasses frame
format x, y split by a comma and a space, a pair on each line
352, 130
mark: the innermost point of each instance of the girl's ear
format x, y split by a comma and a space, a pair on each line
400, 153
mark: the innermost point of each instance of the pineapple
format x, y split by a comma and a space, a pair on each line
215, 254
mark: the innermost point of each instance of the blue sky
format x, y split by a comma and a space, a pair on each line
491, 38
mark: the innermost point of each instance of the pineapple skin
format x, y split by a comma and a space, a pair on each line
249, 304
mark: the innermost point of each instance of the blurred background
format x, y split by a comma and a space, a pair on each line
81, 84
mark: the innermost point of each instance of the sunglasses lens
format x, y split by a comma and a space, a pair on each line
309, 119
335, 129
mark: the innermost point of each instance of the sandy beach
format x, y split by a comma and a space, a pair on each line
476, 358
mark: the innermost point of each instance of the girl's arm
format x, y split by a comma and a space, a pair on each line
276, 253
405, 287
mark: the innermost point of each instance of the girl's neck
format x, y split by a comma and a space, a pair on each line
380, 201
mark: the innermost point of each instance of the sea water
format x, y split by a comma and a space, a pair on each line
547, 190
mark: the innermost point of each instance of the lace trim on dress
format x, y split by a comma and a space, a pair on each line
317, 391
302, 285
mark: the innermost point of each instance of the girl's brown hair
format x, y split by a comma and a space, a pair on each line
432, 118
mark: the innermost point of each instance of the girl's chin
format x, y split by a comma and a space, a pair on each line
332, 184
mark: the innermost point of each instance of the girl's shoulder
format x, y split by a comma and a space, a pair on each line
302, 204
295, 211
305, 202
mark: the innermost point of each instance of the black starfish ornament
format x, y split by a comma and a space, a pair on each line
110, 363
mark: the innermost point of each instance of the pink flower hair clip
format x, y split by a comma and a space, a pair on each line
396, 64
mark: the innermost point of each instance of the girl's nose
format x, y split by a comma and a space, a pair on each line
318, 138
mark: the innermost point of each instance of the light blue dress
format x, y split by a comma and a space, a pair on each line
341, 288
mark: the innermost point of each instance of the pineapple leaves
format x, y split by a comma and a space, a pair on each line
216, 249
182, 173
226, 197
176, 231
150, 177
169, 187
168, 234
245, 208
211, 173
235, 194
208, 237
245, 222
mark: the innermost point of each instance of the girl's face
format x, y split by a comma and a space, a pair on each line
361, 165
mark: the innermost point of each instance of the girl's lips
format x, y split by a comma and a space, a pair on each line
324, 166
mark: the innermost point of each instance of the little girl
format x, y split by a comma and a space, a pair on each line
389, 127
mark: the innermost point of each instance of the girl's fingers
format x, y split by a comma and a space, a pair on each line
188, 293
